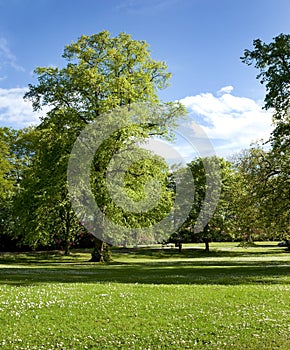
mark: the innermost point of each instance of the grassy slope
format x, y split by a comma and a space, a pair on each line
232, 298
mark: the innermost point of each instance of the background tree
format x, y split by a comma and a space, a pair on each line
15, 155
5, 164
267, 197
248, 223
6, 186
218, 182
43, 211
273, 62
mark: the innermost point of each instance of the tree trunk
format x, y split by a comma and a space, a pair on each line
98, 252
101, 252
206, 238
67, 229
206, 242
67, 248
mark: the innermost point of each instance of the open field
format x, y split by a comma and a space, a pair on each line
148, 298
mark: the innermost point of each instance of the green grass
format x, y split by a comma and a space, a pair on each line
148, 298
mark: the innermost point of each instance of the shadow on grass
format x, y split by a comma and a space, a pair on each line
39, 257
200, 252
161, 267
154, 254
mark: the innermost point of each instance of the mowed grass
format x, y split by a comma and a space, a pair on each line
148, 298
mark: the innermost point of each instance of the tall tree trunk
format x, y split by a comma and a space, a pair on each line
66, 249
98, 252
206, 239
206, 242
101, 252
67, 231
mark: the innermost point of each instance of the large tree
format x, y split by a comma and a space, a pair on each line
102, 73
273, 62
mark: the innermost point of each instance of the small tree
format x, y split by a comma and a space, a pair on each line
213, 179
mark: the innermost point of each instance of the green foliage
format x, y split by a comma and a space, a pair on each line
266, 204
6, 182
273, 61
103, 72
46, 217
131, 202
214, 179
15, 155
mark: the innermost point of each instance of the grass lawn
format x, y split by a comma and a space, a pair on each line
148, 298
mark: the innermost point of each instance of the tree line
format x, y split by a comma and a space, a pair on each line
104, 73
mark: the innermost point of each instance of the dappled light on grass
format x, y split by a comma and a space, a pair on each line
227, 265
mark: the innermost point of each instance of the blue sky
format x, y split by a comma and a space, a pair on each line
201, 41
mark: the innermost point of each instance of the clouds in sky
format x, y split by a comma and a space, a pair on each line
225, 90
14, 111
231, 122
7, 58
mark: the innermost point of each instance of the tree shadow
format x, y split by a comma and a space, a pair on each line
208, 268
191, 253
38, 257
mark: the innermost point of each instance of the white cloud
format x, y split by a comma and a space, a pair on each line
232, 123
14, 111
7, 58
168, 151
225, 90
